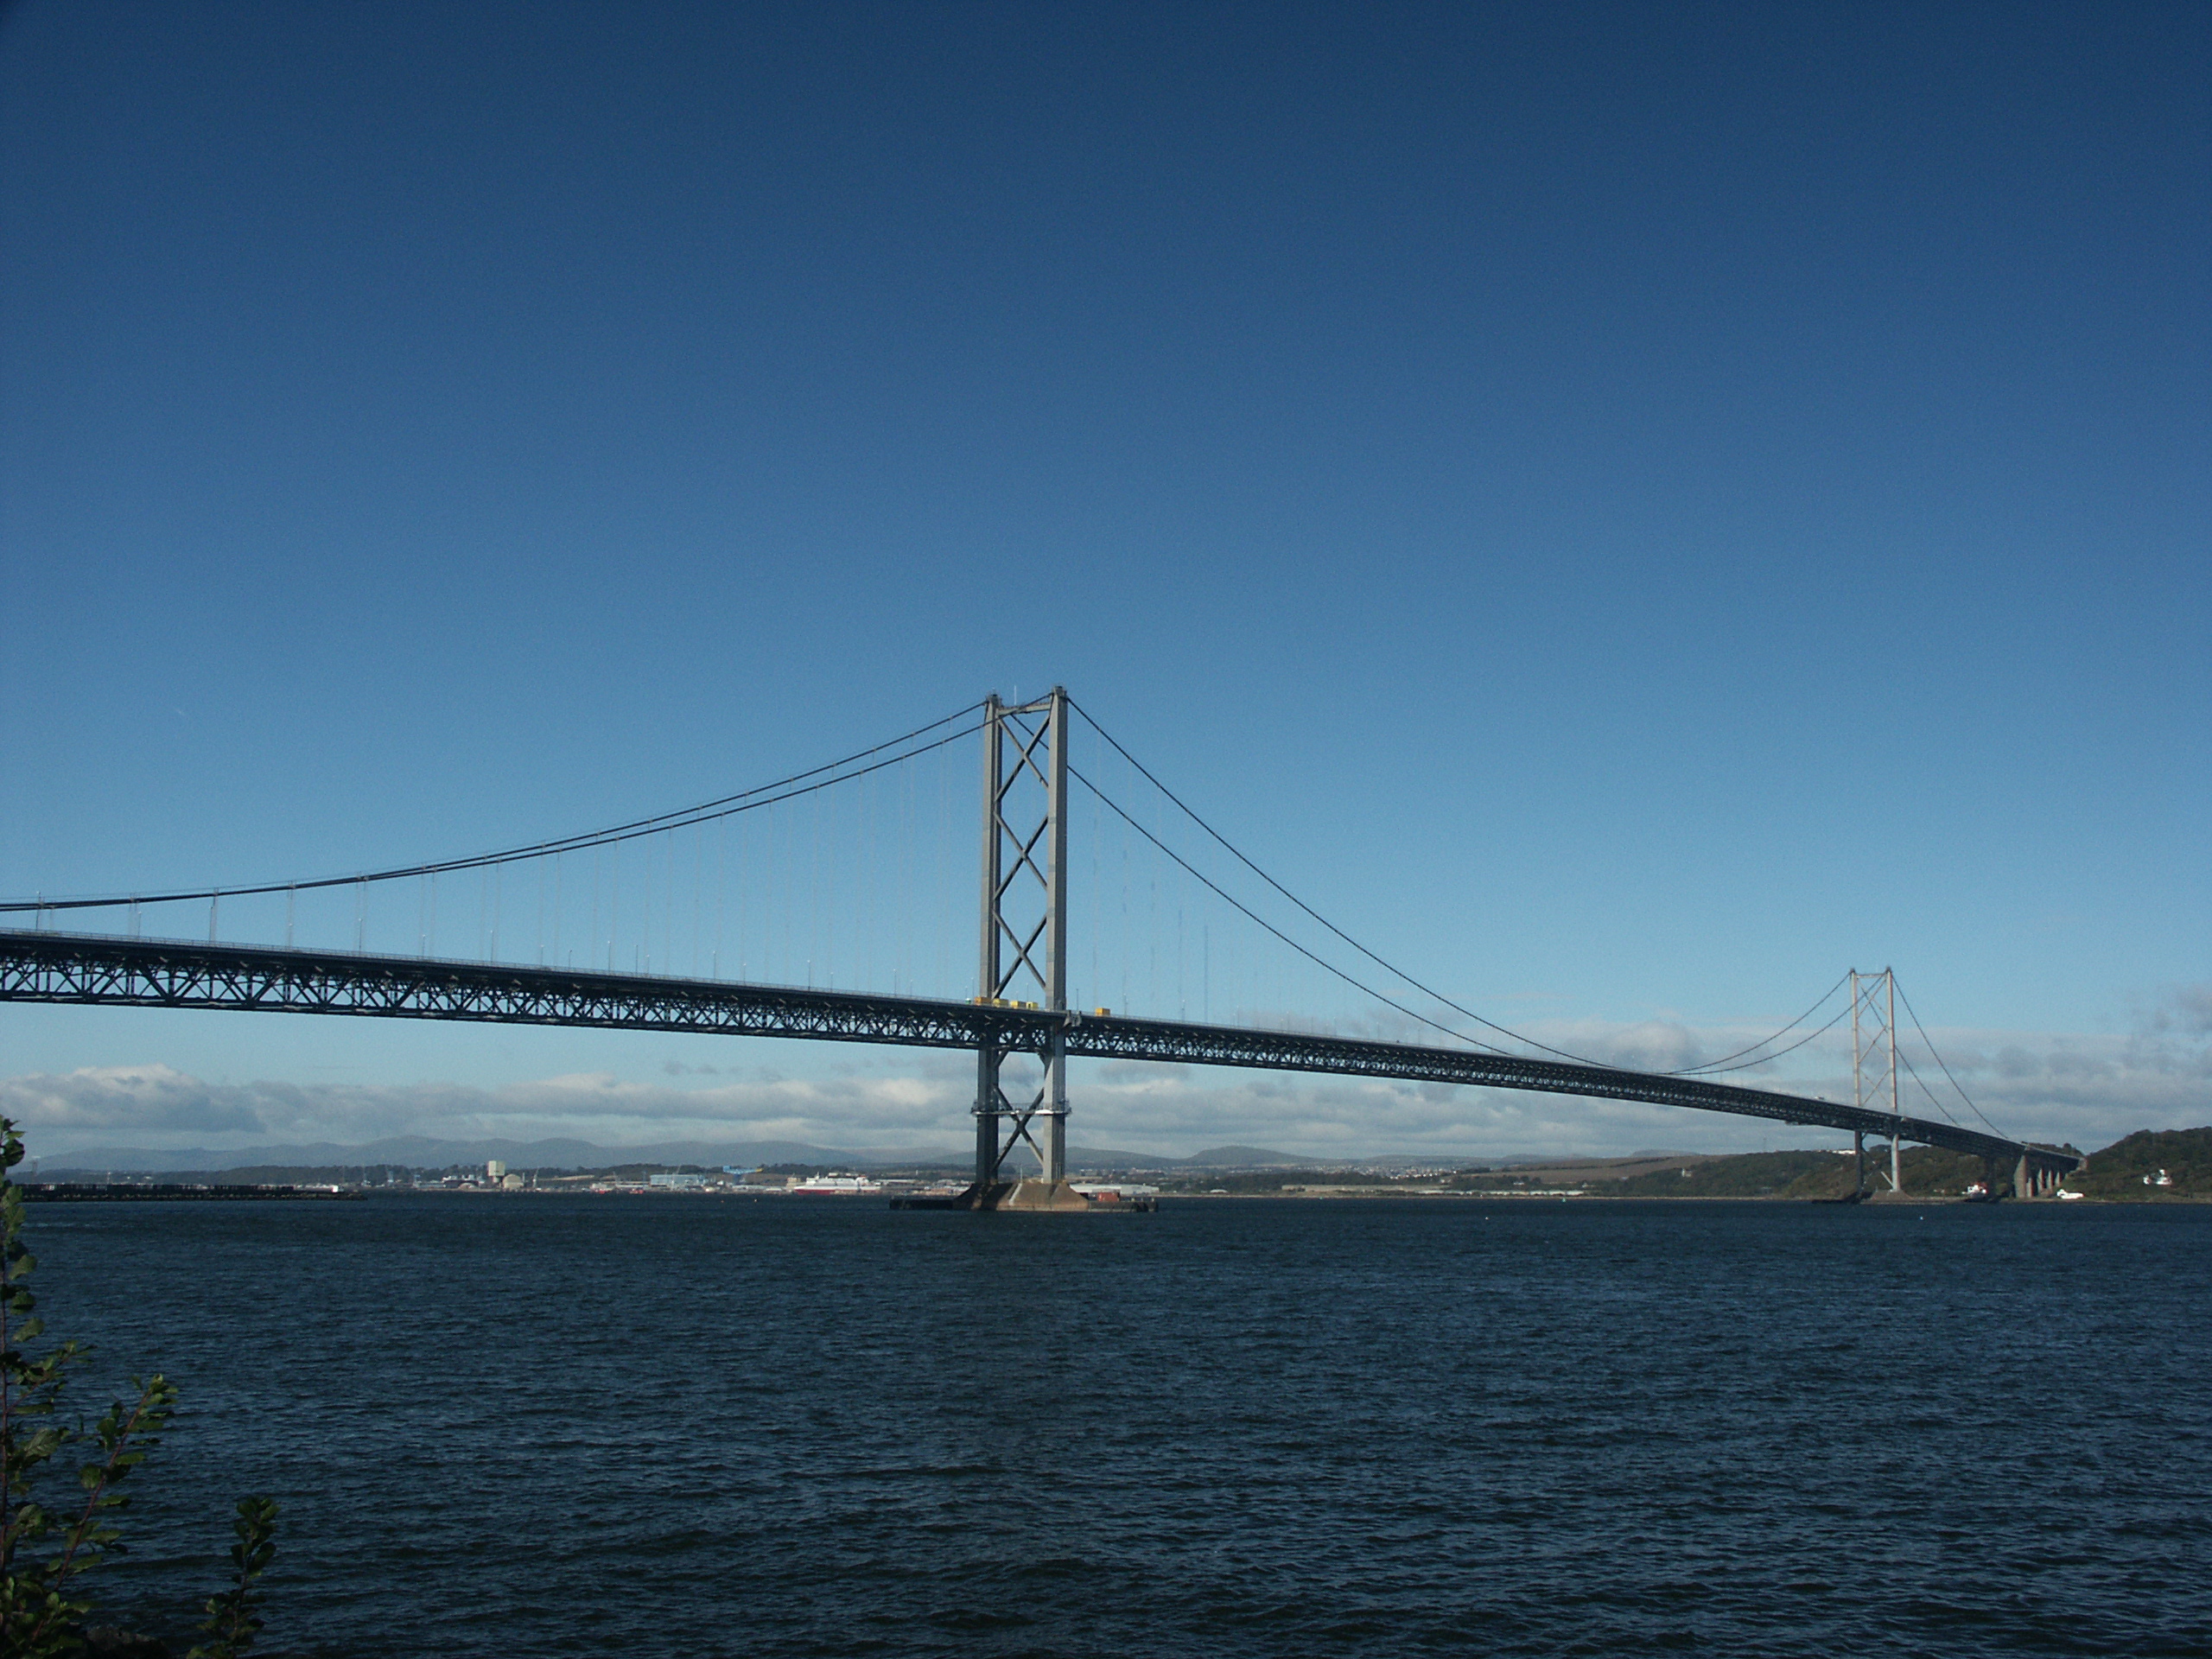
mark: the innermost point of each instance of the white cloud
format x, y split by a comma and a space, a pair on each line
138, 1098
2086, 1089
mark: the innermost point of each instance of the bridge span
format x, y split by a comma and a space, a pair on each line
1024, 915
98, 970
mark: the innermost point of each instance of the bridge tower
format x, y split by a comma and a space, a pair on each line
1874, 1060
1024, 939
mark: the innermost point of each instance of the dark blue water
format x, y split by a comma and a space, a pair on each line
692, 1425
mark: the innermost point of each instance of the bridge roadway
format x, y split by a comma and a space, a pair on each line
95, 971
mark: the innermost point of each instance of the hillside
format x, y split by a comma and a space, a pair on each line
1927, 1171
2117, 1172
1745, 1175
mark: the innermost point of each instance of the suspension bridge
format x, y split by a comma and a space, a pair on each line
1017, 1015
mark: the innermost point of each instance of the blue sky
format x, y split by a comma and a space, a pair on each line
1633, 509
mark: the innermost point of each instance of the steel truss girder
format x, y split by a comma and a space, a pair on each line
90, 970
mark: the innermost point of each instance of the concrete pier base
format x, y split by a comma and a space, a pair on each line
1041, 1196
1032, 1196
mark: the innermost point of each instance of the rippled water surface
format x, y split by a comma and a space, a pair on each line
698, 1426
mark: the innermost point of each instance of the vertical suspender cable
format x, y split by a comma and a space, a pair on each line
1096, 904
863, 935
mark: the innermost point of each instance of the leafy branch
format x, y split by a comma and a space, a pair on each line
45, 1549
232, 1619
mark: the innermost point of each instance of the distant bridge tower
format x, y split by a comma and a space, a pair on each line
1874, 1060
1025, 938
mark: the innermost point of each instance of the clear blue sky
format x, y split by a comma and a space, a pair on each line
1635, 508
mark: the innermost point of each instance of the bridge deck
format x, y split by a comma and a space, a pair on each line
95, 971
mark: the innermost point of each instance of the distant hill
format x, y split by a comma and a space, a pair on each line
1746, 1175
2117, 1172
420, 1151
1242, 1158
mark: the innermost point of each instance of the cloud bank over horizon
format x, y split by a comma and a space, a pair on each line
2085, 1088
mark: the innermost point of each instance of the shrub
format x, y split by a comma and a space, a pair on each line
46, 1550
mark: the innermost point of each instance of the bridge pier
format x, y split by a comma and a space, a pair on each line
987, 1118
1052, 1145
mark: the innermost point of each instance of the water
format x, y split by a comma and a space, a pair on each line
679, 1426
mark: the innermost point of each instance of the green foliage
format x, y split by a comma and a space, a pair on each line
1748, 1175
233, 1620
2118, 1171
46, 1546
1927, 1171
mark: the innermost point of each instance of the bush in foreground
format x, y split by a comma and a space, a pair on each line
47, 1547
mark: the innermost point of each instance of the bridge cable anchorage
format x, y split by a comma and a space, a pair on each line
728, 806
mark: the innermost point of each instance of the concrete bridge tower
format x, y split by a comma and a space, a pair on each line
1874, 1061
1025, 945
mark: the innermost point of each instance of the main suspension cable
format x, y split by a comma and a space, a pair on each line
1389, 968
1914, 1074
1392, 968
1745, 1065
725, 806
1250, 915
1932, 1049
1722, 1064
